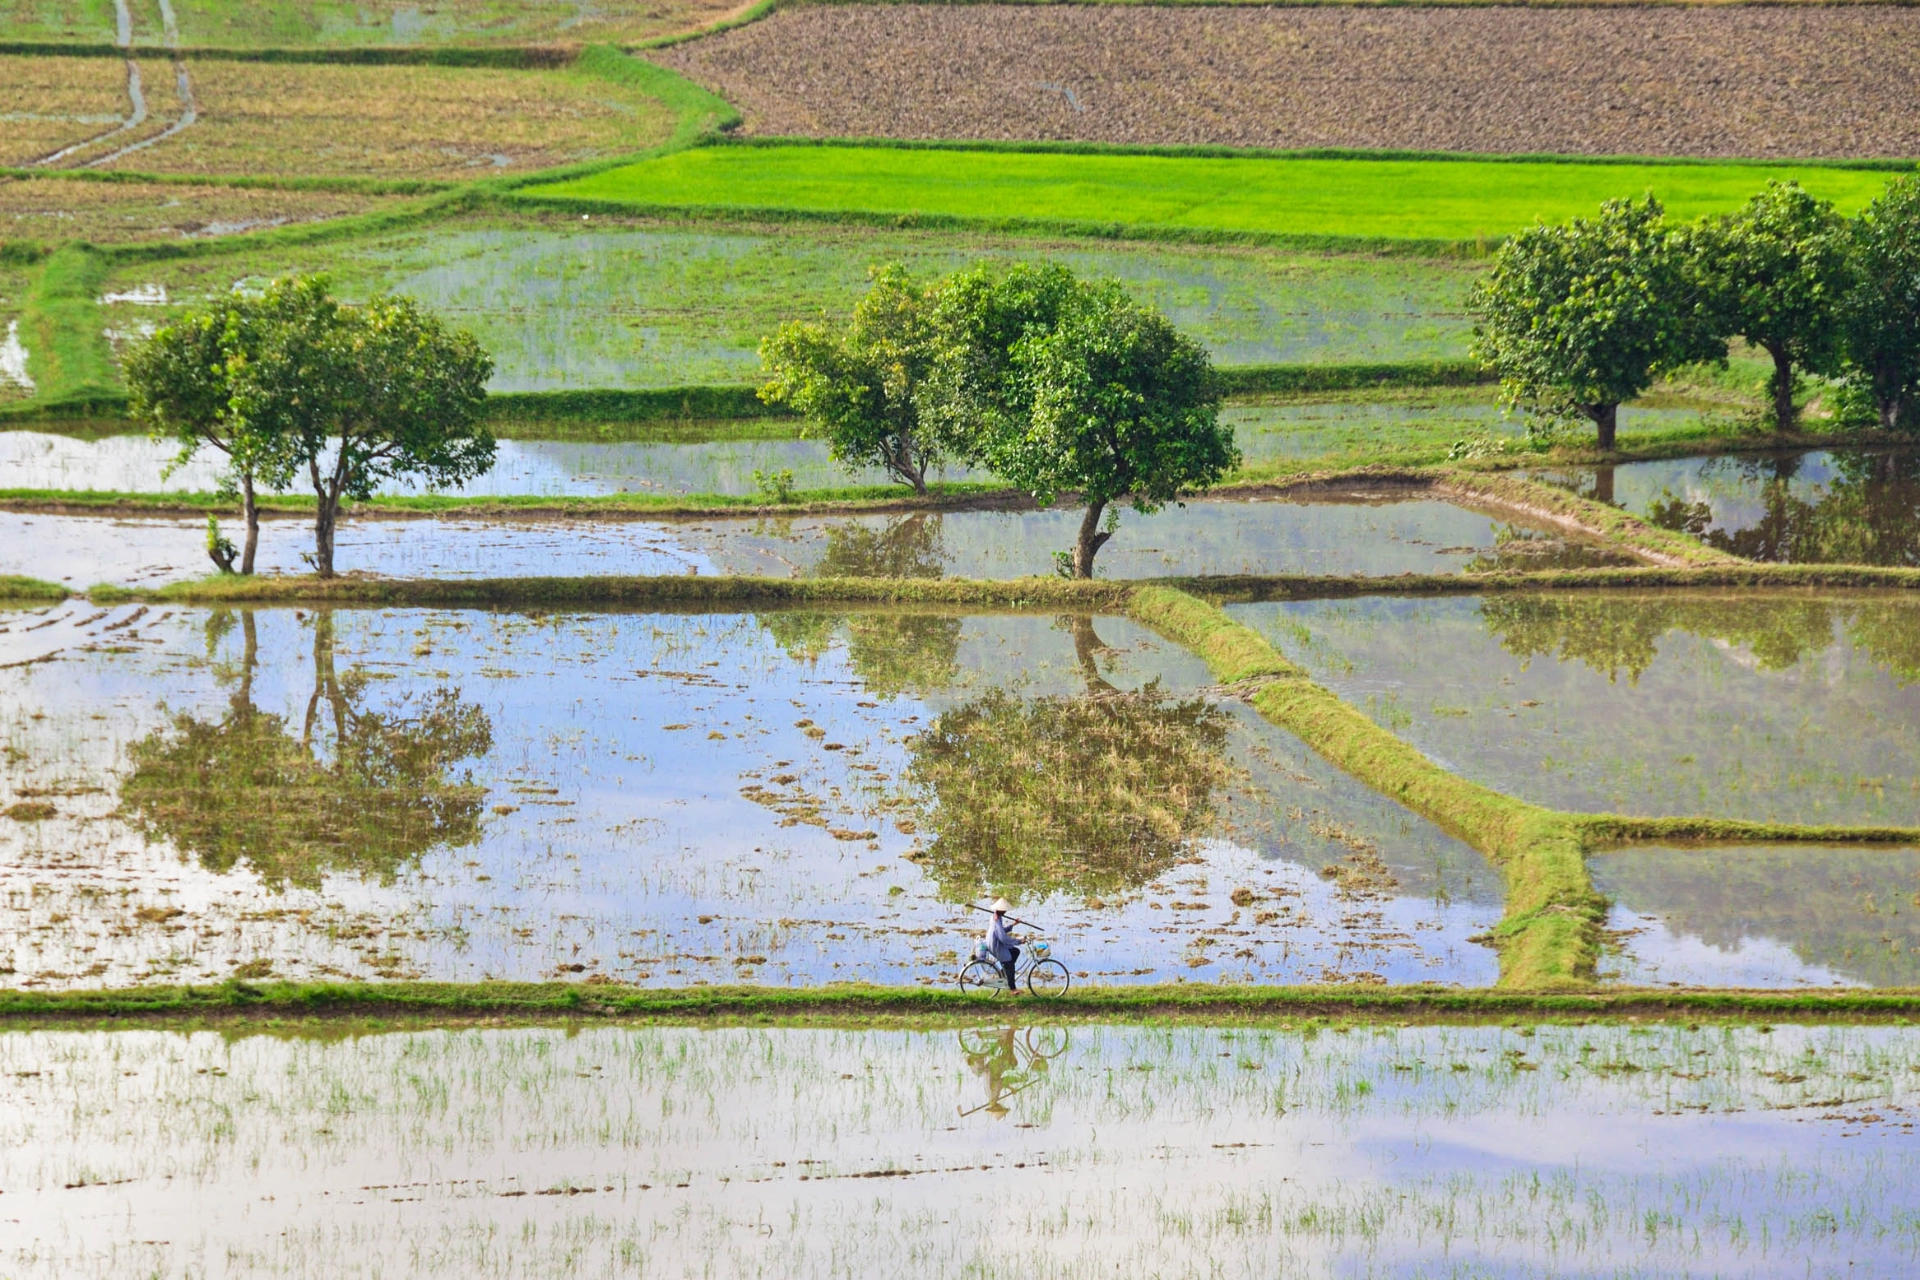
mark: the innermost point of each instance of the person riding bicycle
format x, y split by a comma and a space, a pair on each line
1002, 944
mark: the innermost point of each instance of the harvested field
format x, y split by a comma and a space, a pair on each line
293, 119
50, 103
54, 209
1828, 81
297, 23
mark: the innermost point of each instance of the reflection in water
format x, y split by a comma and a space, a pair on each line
893, 654
355, 789
1852, 507
1614, 634
1516, 549
1766, 916
1093, 793
1009, 1061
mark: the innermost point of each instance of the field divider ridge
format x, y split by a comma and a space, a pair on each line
1549, 936
280, 1007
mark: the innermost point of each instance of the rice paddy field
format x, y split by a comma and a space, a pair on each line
761, 1151
1471, 854
566, 305
328, 24
1670, 703
1367, 533
1446, 200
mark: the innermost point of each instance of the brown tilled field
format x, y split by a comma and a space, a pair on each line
1725, 81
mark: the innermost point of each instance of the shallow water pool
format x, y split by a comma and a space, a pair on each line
1325, 537
1783, 707
782, 798
1083, 1150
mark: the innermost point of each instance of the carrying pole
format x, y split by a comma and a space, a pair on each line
1011, 919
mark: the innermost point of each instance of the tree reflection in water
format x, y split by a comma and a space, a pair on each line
1615, 633
1869, 514
893, 653
354, 789
1088, 794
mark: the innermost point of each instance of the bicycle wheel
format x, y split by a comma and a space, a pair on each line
1048, 978
1046, 1042
981, 978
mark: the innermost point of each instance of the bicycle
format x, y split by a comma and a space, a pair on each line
1045, 977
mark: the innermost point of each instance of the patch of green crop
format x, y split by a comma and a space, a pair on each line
1439, 201
14, 587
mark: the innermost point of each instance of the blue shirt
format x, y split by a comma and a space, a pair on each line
1003, 944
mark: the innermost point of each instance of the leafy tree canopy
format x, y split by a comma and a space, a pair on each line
1073, 386
1775, 272
1576, 319
862, 386
1880, 316
363, 395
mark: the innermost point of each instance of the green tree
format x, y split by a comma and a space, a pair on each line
1578, 318
1776, 272
861, 386
1880, 316
1093, 394
363, 395
180, 382
352, 789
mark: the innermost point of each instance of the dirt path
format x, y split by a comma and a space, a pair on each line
137, 114
189, 111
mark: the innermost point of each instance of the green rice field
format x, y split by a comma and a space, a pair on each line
572, 305
1280, 197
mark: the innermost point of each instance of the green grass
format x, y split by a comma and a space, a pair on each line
1448, 201
383, 1005
67, 355
15, 588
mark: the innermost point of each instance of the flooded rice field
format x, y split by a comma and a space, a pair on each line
1067, 1151
1857, 506
1324, 537
778, 798
590, 305
1790, 708
1266, 433
1768, 916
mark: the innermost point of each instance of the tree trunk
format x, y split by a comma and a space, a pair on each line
325, 513
1783, 414
252, 509
1606, 417
1087, 648
1091, 540
249, 656
1603, 485
901, 461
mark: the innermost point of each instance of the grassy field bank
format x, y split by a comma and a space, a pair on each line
1435, 201
388, 1005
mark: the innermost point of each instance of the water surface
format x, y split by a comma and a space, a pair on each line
1323, 537
1783, 707
1076, 1150
679, 798
1820, 507
1764, 916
